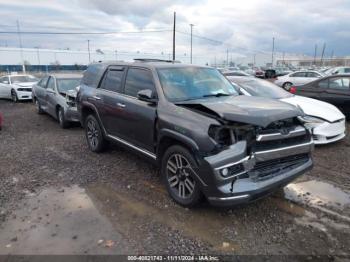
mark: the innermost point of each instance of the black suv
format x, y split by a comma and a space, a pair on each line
206, 138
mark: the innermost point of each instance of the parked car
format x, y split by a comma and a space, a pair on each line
192, 122
325, 121
259, 73
297, 78
17, 87
236, 73
341, 70
55, 95
334, 89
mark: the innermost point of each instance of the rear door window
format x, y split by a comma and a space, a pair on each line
312, 74
138, 79
299, 74
93, 75
113, 80
339, 83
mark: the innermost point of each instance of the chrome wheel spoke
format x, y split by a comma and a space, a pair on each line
182, 192
173, 181
189, 185
178, 160
172, 167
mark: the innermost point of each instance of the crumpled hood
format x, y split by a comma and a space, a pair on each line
26, 84
257, 111
72, 93
313, 107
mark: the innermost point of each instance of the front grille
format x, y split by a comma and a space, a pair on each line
266, 169
288, 141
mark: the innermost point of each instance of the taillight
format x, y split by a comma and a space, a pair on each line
293, 90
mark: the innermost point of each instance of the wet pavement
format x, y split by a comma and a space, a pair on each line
59, 198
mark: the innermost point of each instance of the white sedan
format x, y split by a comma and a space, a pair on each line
325, 121
297, 78
17, 87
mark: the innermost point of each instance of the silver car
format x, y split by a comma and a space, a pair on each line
55, 95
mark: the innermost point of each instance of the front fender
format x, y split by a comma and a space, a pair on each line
180, 137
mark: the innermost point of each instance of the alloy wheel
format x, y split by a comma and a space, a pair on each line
92, 133
180, 176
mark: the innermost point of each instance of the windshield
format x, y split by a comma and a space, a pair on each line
189, 83
263, 88
23, 79
63, 85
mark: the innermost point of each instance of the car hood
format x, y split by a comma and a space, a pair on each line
71, 93
257, 111
26, 84
313, 107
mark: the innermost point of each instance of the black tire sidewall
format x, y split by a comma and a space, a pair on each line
38, 107
63, 123
14, 95
100, 141
197, 194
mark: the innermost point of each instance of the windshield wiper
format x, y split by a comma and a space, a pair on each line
217, 95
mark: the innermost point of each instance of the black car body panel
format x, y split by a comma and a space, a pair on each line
334, 89
268, 146
245, 109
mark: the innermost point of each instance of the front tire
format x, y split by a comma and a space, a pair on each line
14, 96
178, 172
61, 119
94, 134
39, 110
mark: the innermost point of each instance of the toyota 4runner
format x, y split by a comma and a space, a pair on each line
207, 139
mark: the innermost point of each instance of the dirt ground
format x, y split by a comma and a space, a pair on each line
56, 197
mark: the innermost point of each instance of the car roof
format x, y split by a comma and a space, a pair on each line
67, 76
150, 65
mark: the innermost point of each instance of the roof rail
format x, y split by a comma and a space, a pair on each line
151, 60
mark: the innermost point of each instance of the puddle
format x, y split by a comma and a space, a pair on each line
58, 222
317, 193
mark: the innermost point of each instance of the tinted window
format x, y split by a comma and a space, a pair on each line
346, 70
113, 80
323, 84
263, 88
4, 79
93, 74
339, 83
312, 74
51, 84
43, 82
138, 79
299, 74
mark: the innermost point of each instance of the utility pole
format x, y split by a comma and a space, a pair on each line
254, 57
332, 54
89, 51
323, 50
38, 55
273, 50
174, 36
191, 25
227, 57
283, 58
21, 46
116, 55
315, 54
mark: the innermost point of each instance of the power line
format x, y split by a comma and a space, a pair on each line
84, 33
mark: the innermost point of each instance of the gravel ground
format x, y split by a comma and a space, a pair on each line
36, 155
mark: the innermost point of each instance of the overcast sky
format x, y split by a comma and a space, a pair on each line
244, 26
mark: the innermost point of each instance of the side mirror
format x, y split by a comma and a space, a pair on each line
147, 96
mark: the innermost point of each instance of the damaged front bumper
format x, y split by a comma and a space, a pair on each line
243, 178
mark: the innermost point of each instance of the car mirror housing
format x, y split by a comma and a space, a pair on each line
146, 95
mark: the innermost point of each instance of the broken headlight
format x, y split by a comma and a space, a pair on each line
70, 101
224, 136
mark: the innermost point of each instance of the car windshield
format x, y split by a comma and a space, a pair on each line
23, 79
63, 85
263, 88
189, 83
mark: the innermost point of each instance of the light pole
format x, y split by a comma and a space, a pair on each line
273, 50
191, 25
116, 55
89, 50
38, 55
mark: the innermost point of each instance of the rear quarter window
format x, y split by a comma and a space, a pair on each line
93, 75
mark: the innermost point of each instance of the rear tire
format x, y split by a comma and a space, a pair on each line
94, 134
14, 96
287, 85
61, 119
178, 167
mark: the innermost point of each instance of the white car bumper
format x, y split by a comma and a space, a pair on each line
329, 132
23, 95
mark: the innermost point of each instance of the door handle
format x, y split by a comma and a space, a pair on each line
96, 97
121, 105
